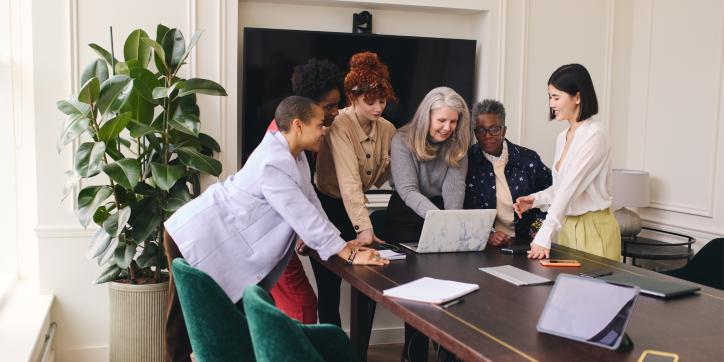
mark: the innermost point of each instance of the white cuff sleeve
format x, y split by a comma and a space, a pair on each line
543, 237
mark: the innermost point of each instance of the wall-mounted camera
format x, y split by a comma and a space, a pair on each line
362, 23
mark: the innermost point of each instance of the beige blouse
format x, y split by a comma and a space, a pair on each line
350, 162
505, 218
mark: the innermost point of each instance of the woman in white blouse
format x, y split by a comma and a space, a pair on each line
579, 202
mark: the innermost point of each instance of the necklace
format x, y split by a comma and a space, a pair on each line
500, 158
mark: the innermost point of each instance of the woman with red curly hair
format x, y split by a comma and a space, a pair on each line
354, 156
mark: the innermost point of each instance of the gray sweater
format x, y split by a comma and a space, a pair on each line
417, 182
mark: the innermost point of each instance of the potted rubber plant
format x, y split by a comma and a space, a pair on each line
138, 133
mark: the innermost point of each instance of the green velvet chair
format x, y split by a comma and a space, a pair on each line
706, 267
218, 330
278, 338
377, 218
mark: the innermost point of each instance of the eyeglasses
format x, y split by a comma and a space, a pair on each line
494, 131
389, 246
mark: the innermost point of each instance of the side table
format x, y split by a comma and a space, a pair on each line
645, 248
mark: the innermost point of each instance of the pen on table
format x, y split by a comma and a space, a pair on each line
450, 304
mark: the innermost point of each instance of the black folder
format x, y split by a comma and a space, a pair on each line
652, 286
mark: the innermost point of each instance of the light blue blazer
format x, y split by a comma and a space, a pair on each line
238, 230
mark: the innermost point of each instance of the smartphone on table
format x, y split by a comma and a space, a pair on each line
595, 273
516, 249
553, 262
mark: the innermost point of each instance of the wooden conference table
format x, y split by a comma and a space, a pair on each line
498, 322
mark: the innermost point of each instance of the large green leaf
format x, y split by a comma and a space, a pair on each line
149, 256
113, 127
89, 93
125, 172
203, 86
133, 64
146, 190
209, 142
74, 126
108, 253
194, 159
163, 92
71, 105
174, 45
165, 176
146, 223
141, 130
104, 54
96, 68
88, 158
137, 49
114, 92
98, 244
161, 31
159, 52
144, 82
141, 110
115, 224
109, 274
186, 123
194, 39
124, 254
73, 178
178, 197
101, 215
154, 142
122, 68
88, 201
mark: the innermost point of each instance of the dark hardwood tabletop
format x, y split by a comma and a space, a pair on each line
498, 322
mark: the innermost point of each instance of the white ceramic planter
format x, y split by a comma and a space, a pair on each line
138, 321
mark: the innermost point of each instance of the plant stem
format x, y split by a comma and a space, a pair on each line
130, 270
113, 57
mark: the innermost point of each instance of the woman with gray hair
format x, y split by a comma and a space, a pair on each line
428, 168
499, 172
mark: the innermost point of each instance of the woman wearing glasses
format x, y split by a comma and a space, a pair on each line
500, 172
428, 173
579, 202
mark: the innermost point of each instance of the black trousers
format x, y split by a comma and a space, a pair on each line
402, 224
328, 283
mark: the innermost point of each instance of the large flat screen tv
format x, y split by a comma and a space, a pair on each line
416, 66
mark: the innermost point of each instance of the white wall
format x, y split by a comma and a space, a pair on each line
659, 90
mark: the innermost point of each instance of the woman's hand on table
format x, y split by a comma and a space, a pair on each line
538, 252
366, 237
523, 204
364, 256
498, 238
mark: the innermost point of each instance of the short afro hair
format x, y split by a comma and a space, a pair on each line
316, 79
369, 77
291, 108
490, 106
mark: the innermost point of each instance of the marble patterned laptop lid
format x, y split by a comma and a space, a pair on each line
456, 230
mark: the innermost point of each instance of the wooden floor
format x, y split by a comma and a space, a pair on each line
391, 352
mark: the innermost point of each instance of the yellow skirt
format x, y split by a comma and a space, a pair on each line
594, 232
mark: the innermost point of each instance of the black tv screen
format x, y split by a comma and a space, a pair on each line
416, 66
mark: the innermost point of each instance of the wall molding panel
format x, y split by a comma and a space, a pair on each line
705, 210
522, 94
502, 21
608, 73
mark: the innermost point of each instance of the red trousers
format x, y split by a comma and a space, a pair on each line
294, 295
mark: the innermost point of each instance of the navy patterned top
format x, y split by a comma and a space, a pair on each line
525, 173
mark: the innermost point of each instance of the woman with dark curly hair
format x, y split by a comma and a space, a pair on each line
320, 81
354, 156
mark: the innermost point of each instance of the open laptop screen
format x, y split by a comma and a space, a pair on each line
589, 310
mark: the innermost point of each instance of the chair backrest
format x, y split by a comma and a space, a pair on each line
706, 267
377, 218
275, 336
218, 330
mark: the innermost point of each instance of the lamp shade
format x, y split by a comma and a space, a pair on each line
631, 188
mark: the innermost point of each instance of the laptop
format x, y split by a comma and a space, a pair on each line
589, 310
454, 231
652, 286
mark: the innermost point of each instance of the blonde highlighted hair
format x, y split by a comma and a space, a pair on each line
417, 131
